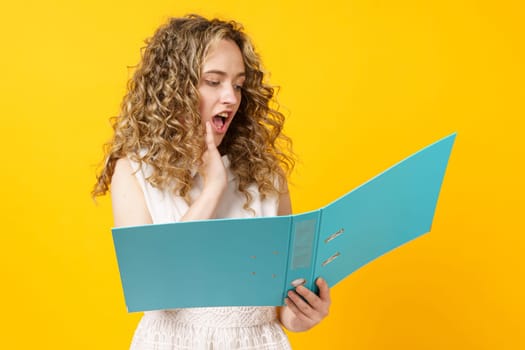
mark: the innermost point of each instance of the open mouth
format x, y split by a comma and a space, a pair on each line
219, 121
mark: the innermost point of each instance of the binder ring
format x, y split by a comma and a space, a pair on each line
334, 235
330, 259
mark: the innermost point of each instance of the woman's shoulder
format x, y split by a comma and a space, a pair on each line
129, 207
123, 171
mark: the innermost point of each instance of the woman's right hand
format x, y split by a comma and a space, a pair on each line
215, 180
212, 170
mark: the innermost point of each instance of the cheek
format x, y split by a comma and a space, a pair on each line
205, 101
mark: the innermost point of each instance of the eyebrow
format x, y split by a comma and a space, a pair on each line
220, 72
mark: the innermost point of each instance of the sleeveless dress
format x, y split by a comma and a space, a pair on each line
214, 328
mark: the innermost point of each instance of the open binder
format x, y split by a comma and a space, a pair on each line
255, 261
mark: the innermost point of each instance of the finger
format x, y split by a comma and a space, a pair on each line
210, 142
290, 304
324, 290
295, 309
319, 307
309, 296
301, 304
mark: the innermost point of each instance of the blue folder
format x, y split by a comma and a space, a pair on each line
255, 261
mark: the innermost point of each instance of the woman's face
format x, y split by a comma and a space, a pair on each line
220, 87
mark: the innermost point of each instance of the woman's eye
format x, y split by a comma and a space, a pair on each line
212, 82
237, 87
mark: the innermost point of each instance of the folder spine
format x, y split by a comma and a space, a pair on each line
284, 289
301, 258
313, 270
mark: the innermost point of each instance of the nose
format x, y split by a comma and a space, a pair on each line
229, 95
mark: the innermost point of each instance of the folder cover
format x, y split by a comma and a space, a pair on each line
255, 261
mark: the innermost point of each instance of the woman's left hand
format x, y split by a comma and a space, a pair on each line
304, 309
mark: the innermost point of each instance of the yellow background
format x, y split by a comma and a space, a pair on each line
364, 84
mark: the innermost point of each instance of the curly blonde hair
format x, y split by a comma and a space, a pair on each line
159, 123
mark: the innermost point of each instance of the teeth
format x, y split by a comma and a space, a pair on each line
223, 115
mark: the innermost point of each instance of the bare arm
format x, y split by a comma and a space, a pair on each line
129, 205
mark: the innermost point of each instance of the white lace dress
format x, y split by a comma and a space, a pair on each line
207, 328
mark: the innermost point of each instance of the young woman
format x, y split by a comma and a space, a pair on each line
197, 138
